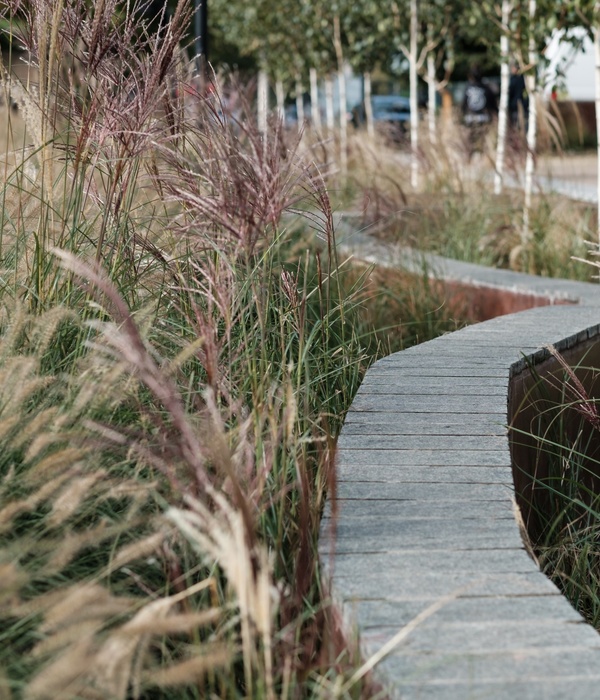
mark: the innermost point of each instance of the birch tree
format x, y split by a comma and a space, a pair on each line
415, 61
431, 90
341, 76
543, 18
331, 45
531, 83
369, 33
320, 58
494, 23
443, 22
315, 108
506, 10
414, 102
262, 100
275, 39
238, 24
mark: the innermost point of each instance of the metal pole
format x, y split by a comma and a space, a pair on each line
201, 34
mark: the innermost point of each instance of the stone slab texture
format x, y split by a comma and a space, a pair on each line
425, 528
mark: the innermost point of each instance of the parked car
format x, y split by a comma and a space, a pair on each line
391, 114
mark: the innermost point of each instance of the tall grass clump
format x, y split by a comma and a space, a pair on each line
455, 213
560, 486
176, 365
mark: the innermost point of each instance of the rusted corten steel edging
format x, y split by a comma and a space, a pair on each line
427, 561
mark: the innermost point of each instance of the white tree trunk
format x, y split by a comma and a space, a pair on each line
531, 81
414, 105
342, 95
300, 102
368, 91
431, 98
597, 52
280, 97
262, 100
329, 113
343, 121
315, 110
503, 103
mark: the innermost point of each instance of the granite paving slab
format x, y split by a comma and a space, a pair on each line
424, 513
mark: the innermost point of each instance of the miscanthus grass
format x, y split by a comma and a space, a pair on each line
175, 367
559, 485
562, 485
455, 212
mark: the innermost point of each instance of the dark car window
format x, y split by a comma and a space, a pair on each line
394, 106
400, 109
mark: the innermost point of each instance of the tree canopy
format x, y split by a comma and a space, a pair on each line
288, 38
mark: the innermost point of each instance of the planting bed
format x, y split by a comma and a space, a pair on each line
425, 558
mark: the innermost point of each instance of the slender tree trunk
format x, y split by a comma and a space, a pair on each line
337, 40
597, 53
262, 99
414, 104
300, 101
431, 98
368, 91
315, 110
531, 80
343, 121
503, 104
329, 112
446, 110
280, 97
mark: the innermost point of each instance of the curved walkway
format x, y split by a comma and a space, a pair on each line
426, 566
575, 176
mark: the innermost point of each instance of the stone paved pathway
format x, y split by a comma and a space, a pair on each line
427, 565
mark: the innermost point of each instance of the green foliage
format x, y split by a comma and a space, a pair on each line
286, 40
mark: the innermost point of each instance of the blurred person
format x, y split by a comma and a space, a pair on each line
518, 99
479, 108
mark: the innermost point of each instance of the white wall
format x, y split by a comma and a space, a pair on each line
577, 66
